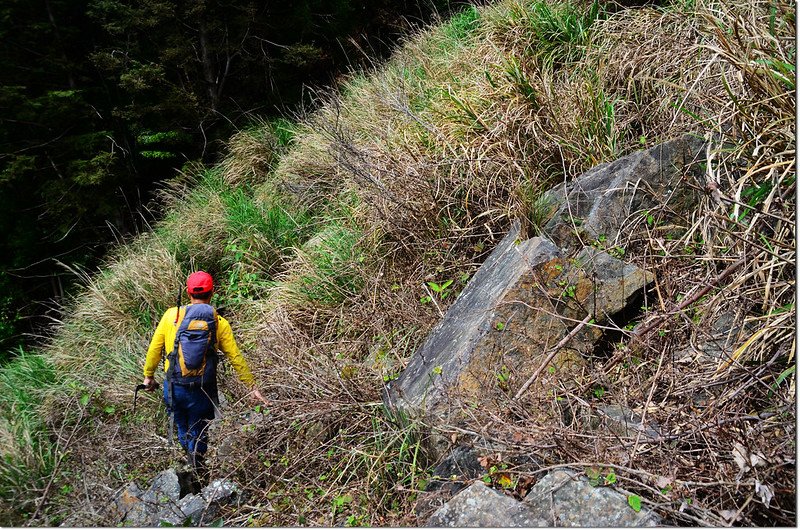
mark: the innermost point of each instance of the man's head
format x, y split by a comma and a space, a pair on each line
200, 285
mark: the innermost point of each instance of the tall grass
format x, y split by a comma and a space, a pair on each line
28, 457
322, 235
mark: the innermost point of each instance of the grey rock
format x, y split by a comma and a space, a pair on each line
162, 502
565, 498
601, 201
616, 283
220, 491
560, 498
126, 505
437, 365
197, 509
482, 506
523, 300
187, 512
165, 488
136, 507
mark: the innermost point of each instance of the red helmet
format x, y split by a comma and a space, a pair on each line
200, 284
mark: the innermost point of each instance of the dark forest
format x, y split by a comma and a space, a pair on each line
102, 100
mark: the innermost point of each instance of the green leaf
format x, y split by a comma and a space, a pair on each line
110, 409
84, 400
341, 500
786, 373
635, 502
781, 378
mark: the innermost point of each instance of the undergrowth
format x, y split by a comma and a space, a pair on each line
325, 235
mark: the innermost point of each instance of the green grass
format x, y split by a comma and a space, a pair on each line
555, 32
333, 260
27, 457
265, 232
460, 28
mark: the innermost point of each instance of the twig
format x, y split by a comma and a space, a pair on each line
553, 353
691, 299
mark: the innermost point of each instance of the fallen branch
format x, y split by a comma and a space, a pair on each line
689, 300
656, 321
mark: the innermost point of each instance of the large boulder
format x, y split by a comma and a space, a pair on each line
137, 507
566, 498
449, 351
531, 293
481, 506
523, 301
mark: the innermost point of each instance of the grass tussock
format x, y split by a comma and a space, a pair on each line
325, 236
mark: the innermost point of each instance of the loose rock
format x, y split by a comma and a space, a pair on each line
565, 498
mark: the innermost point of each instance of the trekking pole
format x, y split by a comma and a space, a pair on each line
154, 386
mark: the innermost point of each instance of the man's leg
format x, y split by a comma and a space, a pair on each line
179, 413
200, 413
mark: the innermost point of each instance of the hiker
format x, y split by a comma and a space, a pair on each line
190, 390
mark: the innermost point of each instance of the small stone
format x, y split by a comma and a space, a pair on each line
220, 491
624, 422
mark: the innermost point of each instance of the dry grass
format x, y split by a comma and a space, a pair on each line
322, 245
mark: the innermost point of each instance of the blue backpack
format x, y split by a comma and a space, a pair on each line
193, 360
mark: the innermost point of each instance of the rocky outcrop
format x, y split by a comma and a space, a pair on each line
524, 300
560, 498
482, 506
530, 311
453, 348
164, 504
529, 295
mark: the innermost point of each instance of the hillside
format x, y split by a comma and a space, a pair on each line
333, 235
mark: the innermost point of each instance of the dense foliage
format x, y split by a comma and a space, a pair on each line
103, 98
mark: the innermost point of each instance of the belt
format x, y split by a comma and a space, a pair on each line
190, 385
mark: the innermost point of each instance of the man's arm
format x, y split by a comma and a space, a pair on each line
155, 350
227, 344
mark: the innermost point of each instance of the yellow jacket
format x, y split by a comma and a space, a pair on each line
164, 339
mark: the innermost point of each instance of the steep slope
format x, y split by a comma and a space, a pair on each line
339, 240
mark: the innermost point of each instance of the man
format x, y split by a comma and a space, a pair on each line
192, 404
